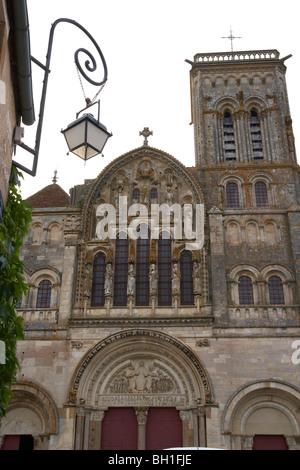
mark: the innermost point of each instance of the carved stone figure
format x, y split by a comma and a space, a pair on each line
175, 280
153, 279
197, 278
140, 378
108, 283
131, 281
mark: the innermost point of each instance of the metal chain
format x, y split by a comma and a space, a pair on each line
87, 100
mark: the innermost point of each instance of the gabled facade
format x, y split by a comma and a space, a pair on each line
163, 308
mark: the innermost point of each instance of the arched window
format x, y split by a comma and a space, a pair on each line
186, 280
229, 141
44, 294
99, 268
153, 193
261, 194
142, 268
136, 194
164, 272
121, 271
256, 139
245, 291
276, 294
232, 195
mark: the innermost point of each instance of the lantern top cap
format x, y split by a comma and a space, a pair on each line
89, 117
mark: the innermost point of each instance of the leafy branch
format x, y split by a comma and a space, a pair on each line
13, 228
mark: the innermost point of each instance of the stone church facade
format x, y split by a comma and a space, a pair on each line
180, 329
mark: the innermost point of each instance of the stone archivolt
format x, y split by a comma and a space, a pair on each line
140, 367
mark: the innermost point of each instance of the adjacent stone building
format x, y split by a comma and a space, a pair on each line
16, 98
182, 328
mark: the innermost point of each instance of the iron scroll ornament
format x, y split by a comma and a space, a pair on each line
46, 68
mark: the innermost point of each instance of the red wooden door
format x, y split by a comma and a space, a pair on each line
269, 442
164, 429
11, 443
119, 429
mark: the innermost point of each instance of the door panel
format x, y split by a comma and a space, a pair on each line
119, 429
164, 429
269, 442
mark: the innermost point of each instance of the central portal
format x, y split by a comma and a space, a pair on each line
140, 389
161, 428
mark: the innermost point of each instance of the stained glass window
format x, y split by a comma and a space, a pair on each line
142, 271
121, 272
276, 294
164, 272
245, 291
261, 194
44, 294
99, 268
232, 193
186, 280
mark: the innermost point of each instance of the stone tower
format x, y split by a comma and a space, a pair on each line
246, 163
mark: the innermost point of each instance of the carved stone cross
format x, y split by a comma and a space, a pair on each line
146, 133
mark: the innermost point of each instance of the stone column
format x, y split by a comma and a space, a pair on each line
186, 417
79, 432
69, 262
141, 415
95, 430
202, 426
218, 270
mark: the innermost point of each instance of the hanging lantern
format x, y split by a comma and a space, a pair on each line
86, 137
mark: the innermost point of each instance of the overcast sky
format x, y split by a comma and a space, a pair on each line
145, 44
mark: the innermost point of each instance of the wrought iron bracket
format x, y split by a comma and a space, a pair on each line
90, 65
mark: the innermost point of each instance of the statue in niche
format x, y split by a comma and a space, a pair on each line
144, 195
152, 279
175, 280
168, 196
108, 283
87, 280
197, 278
131, 281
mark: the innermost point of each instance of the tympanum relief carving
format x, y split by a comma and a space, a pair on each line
141, 376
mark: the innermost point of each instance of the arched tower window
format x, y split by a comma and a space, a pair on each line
245, 291
44, 294
232, 195
99, 268
256, 139
276, 294
229, 141
261, 194
121, 271
164, 272
142, 268
186, 280
136, 194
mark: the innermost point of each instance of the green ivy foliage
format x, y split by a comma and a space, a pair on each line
13, 228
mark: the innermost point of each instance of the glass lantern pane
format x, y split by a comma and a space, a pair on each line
75, 135
96, 136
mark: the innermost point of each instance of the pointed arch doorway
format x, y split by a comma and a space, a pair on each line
140, 389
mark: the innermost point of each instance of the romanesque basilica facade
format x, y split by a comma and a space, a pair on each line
163, 303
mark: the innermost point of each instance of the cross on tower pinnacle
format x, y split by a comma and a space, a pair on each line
146, 133
231, 37
54, 179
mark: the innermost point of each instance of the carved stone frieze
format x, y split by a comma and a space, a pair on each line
140, 377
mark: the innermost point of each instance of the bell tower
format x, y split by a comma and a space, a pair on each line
246, 164
240, 108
